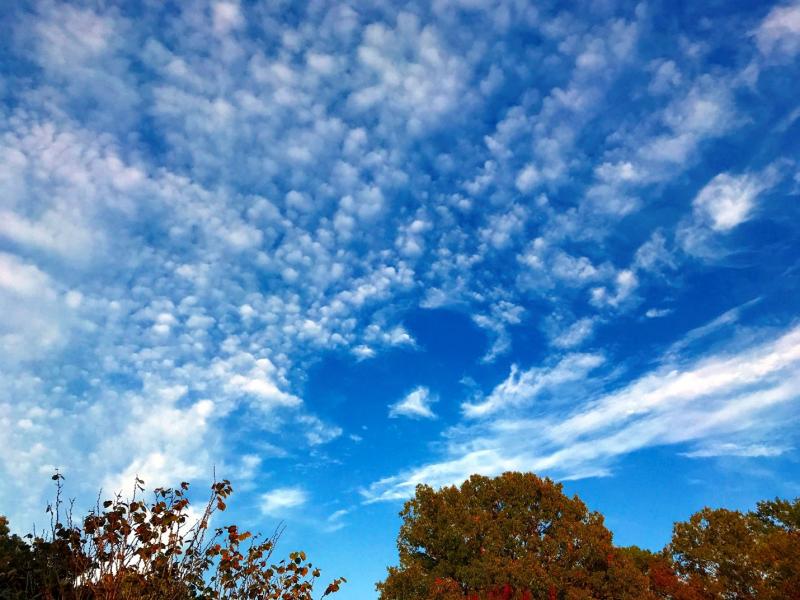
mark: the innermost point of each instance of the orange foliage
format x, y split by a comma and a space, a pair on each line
134, 549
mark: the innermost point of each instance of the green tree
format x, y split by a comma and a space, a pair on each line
15, 560
515, 535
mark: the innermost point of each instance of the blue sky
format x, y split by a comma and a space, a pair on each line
336, 250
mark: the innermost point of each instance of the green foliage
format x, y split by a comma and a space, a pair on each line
126, 549
15, 561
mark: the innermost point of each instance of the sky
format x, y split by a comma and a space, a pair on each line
332, 250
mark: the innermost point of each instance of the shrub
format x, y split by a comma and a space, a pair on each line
156, 550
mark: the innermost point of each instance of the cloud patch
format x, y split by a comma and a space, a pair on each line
779, 32
280, 501
415, 405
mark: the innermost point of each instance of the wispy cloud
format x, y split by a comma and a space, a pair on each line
522, 388
573, 335
734, 449
699, 402
335, 520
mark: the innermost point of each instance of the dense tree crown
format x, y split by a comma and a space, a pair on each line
517, 533
518, 536
732, 555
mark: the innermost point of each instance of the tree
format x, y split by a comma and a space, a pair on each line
513, 536
33, 567
15, 560
729, 555
662, 578
135, 549
716, 550
778, 526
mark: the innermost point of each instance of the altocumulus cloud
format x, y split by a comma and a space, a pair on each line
201, 204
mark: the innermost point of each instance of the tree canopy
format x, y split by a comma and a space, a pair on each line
727, 554
516, 535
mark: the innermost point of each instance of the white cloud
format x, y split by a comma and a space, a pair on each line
653, 255
54, 231
666, 76
705, 400
73, 299
668, 140
716, 327
396, 336
523, 387
721, 205
227, 16
362, 351
527, 179
501, 229
734, 449
280, 501
575, 334
23, 279
501, 315
550, 266
259, 382
415, 405
35, 320
335, 520
625, 283
212, 261
72, 37
618, 173
167, 443
408, 72
726, 201
316, 431
779, 32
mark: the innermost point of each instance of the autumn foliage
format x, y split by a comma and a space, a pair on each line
519, 537
150, 550
512, 537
